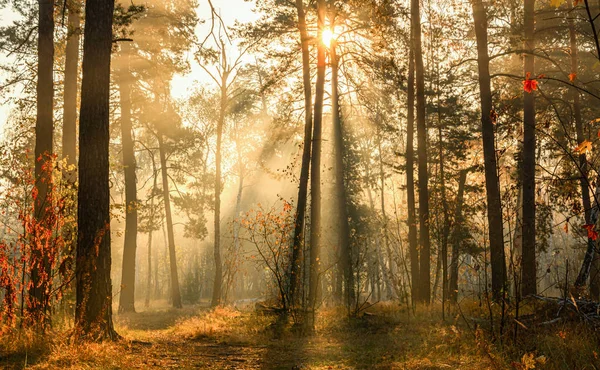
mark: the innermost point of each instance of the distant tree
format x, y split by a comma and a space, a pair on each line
71, 85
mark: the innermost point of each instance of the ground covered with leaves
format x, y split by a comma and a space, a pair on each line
388, 337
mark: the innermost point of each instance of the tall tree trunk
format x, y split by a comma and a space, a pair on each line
424, 241
494, 204
151, 229
315, 178
584, 181
342, 198
393, 288
218, 282
93, 310
410, 182
39, 299
528, 263
175, 292
127, 295
455, 237
296, 252
446, 227
69, 139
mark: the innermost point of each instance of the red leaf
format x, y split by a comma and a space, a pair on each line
591, 233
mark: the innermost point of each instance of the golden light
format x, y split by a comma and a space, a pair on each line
328, 37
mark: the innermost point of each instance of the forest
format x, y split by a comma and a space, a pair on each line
299, 184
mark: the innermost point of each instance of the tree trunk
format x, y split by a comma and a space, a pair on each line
127, 295
151, 229
218, 282
39, 298
315, 180
528, 263
296, 254
425, 251
446, 228
584, 181
410, 182
175, 292
455, 238
93, 310
494, 204
69, 139
342, 199
384, 225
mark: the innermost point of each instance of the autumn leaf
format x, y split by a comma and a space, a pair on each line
584, 147
529, 85
566, 228
556, 3
591, 233
572, 76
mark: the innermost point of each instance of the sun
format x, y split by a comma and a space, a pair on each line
328, 37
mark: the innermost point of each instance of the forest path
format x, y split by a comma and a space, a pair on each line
226, 338
229, 338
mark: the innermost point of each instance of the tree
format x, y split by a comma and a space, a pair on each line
424, 242
315, 173
295, 262
494, 205
410, 181
69, 137
127, 295
93, 309
39, 304
528, 264
175, 292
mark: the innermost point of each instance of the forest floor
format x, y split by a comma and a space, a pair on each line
231, 338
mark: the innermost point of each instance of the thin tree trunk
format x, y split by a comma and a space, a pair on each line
456, 238
175, 292
315, 180
39, 299
584, 181
296, 254
528, 263
494, 204
424, 240
344, 227
410, 182
69, 139
384, 225
218, 282
446, 227
127, 294
93, 309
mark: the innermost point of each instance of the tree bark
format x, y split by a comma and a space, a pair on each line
424, 239
315, 178
39, 297
410, 181
342, 198
528, 262
175, 292
127, 294
494, 204
93, 310
69, 139
296, 252
446, 228
218, 282
455, 237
